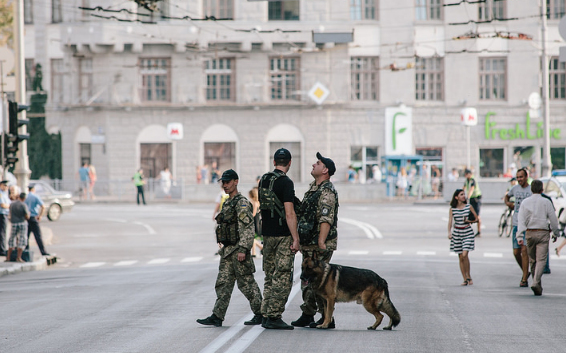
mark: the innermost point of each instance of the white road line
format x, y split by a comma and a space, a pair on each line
426, 253
146, 226
116, 220
126, 263
191, 259
93, 264
356, 252
392, 252
554, 257
492, 254
453, 254
157, 261
371, 231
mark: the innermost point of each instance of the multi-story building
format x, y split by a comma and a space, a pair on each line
237, 74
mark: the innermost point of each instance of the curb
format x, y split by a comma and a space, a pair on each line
10, 268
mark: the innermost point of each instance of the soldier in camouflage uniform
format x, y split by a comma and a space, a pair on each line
317, 231
235, 232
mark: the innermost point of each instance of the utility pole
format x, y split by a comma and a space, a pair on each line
21, 170
546, 163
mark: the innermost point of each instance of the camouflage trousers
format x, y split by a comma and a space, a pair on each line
311, 301
231, 270
278, 262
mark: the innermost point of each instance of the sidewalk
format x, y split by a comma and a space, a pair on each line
10, 268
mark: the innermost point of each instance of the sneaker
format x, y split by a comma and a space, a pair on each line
212, 320
537, 290
256, 320
524, 284
332, 324
303, 321
277, 324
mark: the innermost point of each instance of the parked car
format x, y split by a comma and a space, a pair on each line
56, 202
555, 188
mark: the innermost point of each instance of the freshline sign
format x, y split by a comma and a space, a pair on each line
398, 131
518, 132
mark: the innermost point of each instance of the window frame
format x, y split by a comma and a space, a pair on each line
489, 7
484, 74
28, 12
424, 10
551, 6
56, 11
367, 70
282, 10
556, 79
57, 80
85, 75
218, 8
366, 163
30, 73
153, 73
217, 74
360, 10
286, 94
501, 171
430, 76
85, 153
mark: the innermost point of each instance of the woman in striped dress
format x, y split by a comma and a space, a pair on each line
462, 239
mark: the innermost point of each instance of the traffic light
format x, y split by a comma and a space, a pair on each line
12, 138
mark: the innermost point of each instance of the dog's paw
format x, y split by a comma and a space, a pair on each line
387, 328
371, 328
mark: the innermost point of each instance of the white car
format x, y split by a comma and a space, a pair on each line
555, 188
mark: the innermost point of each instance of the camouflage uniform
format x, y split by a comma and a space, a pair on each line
278, 261
326, 212
230, 269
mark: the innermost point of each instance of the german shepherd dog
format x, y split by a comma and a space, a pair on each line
336, 283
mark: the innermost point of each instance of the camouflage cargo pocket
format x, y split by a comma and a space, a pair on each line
246, 267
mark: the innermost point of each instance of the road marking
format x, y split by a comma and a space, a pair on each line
554, 257
93, 264
392, 252
426, 253
492, 254
146, 226
191, 259
453, 254
158, 261
355, 252
125, 263
116, 220
371, 231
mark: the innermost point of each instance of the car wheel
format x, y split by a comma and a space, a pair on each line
54, 212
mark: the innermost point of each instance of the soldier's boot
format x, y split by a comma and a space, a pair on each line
277, 324
332, 324
212, 320
303, 321
263, 321
256, 320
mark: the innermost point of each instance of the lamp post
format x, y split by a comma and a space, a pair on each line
546, 163
469, 117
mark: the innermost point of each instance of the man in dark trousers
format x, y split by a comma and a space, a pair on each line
4, 211
36, 208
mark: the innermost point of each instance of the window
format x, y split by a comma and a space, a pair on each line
283, 10
493, 73
154, 157
429, 74
219, 8
56, 13
364, 158
30, 73
557, 79
555, 9
57, 80
85, 150
220, 80
365, 75
221, 154
363, 9
491, 162
491, 9
430, 154
295, 148
557, 157
28, 12
428, 10
155, 79
284, 78
85, 79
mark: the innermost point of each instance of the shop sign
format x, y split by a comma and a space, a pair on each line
518, 132
398, 131
469, 116
175, 131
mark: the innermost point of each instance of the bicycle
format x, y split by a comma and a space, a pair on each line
506, 223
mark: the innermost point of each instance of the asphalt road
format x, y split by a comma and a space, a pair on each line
135, 279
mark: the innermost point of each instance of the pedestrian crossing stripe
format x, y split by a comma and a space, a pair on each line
158, 261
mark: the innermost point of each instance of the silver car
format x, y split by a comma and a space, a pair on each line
555, 188
56, 202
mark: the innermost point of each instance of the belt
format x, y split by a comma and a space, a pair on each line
461, 227
538, 230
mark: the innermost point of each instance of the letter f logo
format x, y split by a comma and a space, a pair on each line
395, 131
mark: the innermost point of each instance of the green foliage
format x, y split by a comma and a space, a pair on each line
44, 151
6, 19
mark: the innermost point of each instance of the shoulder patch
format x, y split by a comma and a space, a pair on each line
325, 210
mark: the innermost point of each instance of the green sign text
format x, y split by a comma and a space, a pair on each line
491, 132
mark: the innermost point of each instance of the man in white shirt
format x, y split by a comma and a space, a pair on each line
536, 213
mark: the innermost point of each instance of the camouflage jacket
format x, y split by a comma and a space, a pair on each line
319, 205
246, 230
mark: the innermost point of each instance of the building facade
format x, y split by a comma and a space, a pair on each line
242, 77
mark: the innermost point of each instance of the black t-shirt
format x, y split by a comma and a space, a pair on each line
284, 189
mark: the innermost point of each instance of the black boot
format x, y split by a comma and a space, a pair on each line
256, 320
303, 321
277, 324
211, 320
332, 324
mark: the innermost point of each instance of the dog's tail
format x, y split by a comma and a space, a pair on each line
391, 311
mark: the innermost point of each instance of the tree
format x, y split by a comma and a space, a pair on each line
6, 23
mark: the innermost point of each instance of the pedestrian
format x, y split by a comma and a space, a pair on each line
520, 191
376, 173
462, 239
318, 233
84, 180
165, 177
435, 173
19, 215
473, 193
280, 239
139, 183
14, 192
258, 239
4, 211
92, 180
235, 231
562, 244
352, 175
214, 172
536, 214
454, 175
402, 182
36, 208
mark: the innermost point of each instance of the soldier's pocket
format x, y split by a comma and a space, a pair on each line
246, 267
286, 259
